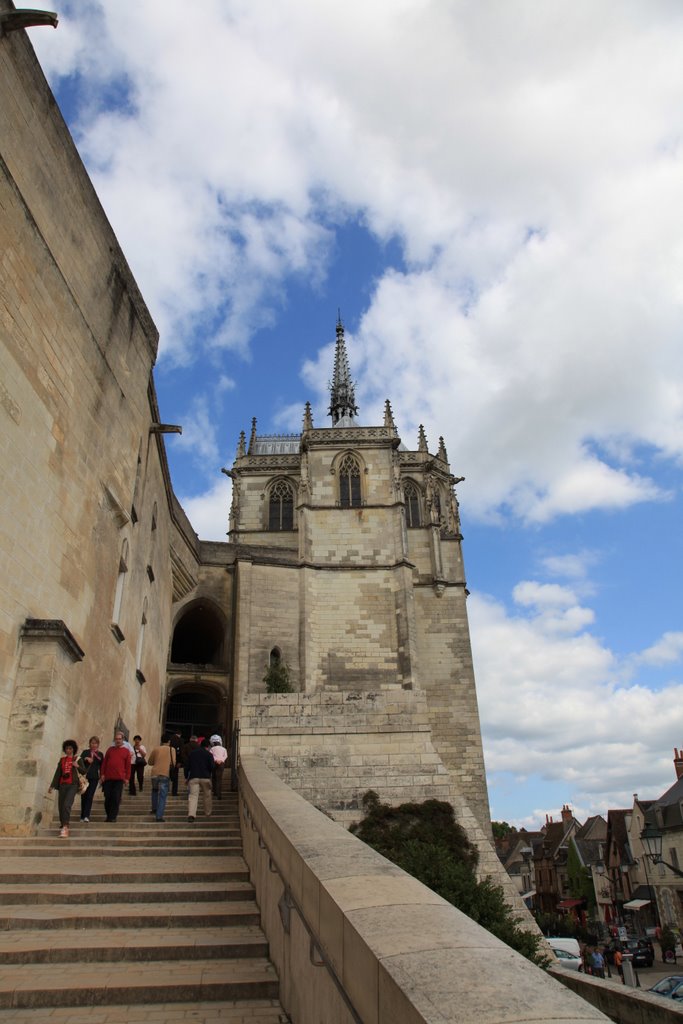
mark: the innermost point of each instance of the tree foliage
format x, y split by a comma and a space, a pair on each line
501, 829
580, 879
277, 678
426, 841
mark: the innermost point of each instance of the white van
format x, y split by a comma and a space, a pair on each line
562, 942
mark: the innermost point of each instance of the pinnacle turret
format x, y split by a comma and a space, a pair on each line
308, 417
342, 393
389, 417
242, 445
421, 440
252, 437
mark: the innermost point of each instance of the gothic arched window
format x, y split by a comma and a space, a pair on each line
412, 505
349, 482
118, 593
281, 506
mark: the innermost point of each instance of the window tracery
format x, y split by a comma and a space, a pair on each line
281, 506
412, 504
349, 482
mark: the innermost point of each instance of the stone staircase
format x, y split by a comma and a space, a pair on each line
134, 921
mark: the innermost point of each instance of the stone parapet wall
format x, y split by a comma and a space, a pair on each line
332, 747
353, 934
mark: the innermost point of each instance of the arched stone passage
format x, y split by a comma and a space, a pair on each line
196, 709
199, 637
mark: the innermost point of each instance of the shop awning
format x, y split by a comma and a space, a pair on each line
529, 894
635, 904
568, 904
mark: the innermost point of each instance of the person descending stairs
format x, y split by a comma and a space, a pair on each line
133, 917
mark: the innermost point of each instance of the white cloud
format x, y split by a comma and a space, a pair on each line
208, 512
532, 177
668, 649
199, 433
577, 718
573, 566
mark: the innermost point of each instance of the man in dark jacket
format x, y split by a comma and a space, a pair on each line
199, 769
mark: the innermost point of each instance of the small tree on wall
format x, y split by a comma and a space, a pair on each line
277, 678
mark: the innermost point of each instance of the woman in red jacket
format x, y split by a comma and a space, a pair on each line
65, 781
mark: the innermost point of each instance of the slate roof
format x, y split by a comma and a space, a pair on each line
669, 806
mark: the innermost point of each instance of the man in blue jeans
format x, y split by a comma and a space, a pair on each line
162, 762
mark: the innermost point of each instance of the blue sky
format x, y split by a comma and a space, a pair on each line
497, 209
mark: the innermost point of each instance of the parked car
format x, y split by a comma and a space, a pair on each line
640, 951
564, 942
570, 961
670, 988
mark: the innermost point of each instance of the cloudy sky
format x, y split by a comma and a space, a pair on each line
493, 195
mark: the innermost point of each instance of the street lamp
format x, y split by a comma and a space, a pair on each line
651, 838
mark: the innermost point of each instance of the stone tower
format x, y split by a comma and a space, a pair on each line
348, 567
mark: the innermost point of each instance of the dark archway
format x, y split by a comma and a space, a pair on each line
199, 637
195, 710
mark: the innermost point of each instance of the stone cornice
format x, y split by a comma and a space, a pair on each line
55, 630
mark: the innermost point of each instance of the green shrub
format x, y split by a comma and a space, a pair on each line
277, 678
426, 841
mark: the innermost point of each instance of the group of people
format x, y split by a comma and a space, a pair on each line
202, 761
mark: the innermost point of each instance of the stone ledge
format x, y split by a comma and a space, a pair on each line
55, 630
395, 949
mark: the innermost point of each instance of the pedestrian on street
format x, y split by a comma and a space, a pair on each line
220, 758
619, 963
138, 767
90, 763
598, 963
175, 740
65, 781
162, 762
114, 773
199, 774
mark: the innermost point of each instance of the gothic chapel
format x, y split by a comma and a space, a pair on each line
343, 559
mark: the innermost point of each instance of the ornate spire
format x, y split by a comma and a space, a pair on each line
242, 445
389, 417
308, 417
422, 440
252, 436
442, 454
342, 394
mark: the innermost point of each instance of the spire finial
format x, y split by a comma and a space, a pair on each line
242, 445
422, 440
308, 417
442, 454
252, 437
389, 417
342, 393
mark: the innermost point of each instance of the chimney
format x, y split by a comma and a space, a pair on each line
678, 762
566, 814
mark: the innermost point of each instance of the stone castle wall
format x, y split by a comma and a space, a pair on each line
77, 459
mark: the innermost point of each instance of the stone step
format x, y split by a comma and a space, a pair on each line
29, 985
61, 916
103, 870
148, 892
186, 831
123, 842
246, 1011
98, 945
66, 848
